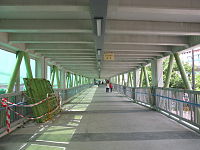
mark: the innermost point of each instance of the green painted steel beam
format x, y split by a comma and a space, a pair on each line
128, 80
15, 73
141, 77
123, 83
146, 76
169, 71
182, 71
57, 77
28, 65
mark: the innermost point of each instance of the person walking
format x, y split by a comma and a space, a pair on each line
107, 87
110, 86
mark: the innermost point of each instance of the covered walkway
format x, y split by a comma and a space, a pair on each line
95, 120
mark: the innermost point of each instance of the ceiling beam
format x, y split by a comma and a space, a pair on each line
147, 40
66, 52
46, 26
50, 38
148, 27
132, 47
58, 46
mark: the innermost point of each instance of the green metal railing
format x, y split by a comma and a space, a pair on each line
178, 104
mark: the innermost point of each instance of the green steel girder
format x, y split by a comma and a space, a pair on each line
20, 55
123, 82
141, 77
28, 66
58, 77
146, 76
15, 73
182, 71
169, 71
128, 80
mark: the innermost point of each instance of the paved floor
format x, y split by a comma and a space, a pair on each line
96, 120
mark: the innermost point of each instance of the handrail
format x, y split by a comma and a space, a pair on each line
179, 104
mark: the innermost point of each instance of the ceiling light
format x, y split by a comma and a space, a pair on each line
98, 27
99, 52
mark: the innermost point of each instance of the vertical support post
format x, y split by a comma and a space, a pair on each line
131, 79
157, 78
157, 72
182, 71
68, 79
63, 79
41, 68
15, 72
136, 76
72, 80
28, 65
169, 71
146, 76
75, 80
128, 80
123, 82
53, 75
57, 77
119, 82
193, 71
141, 77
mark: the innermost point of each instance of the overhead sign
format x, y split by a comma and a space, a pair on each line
109, 56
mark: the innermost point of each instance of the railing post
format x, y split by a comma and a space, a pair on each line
153, 97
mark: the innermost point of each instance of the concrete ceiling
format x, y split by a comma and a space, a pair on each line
64, 31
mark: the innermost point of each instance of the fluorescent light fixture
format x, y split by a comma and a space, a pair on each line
98, 27
99, 62
99, 52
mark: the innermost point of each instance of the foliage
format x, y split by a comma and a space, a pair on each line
176, 80
148, 68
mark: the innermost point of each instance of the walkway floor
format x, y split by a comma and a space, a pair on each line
96, 120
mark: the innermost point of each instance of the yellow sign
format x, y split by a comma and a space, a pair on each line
109, 56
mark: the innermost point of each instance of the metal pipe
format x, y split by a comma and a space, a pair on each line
169, 71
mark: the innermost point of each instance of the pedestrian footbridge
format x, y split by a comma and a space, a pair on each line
56, 57
98, 120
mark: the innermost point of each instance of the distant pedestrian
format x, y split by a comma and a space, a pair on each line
110, 86
107, 87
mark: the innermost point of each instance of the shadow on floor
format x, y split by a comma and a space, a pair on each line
174, 135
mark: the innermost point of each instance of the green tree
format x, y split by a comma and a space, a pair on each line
176, 81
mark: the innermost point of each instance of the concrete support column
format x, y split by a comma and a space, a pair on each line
136, 77
41, 68
63, 79
157, 72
